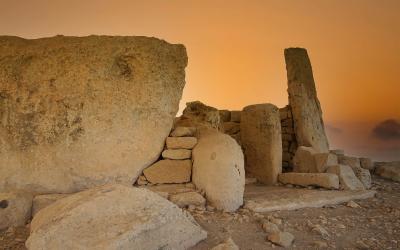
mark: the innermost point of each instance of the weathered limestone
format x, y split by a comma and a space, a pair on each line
366, 163
303, 100
228, 244
181, 142
364, 176
231, 128
169, 171
224, 115
177, 154
77, 112
389, 170
183, 131
284, 239
323, 160
42, 201
236, 116
289, 143
15, 209
325, 180
303, 161
197, 114
218, 170
347, 178
113, 217
188, 198
260, 130
353, 162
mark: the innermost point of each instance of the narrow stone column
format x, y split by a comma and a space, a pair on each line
306, 109
262, 141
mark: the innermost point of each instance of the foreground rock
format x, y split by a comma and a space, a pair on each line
42, 201
15, 209
306, 109
389, 171
364, 176
169, 171
325, 180
218, 170
84, 111
114, 217
283, 239
348, 180
261, 139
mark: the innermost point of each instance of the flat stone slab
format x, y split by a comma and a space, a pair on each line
262, 199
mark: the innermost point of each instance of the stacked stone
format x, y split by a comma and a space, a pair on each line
176, 165
289, 143
231, 123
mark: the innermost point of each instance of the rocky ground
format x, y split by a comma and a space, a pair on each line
367, 224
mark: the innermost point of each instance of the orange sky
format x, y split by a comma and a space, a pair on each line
235, 48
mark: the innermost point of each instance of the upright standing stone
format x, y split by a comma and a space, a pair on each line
77, 112
306, 109
262, 142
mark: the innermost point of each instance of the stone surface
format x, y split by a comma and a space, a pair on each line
169, 171
262, 199
197, 114
236, 116
228, 244
177, 154
323, 160
283, 239
337, 152
42, 201
225, 115
183, 131
77, 112
353, 162
303, 160
181, 142
15, 209
347, 179
260, 130
231, 127
113, 217
270, 227
367, 163
364, 176
218, 170
325, 180
306, 109
389, 171
188, 198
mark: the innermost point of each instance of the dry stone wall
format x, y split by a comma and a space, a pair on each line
289, 143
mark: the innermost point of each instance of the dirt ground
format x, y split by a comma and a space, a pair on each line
375, 224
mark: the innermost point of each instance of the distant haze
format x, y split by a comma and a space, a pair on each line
235, 51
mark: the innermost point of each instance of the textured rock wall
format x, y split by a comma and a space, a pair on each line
303, 100
289, 143
80, 112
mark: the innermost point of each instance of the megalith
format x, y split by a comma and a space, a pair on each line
262, 141
303, 100
77, 112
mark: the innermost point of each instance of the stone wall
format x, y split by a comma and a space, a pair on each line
289, 143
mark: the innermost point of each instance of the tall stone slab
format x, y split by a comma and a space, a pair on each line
262, 141
306, 109
77, 112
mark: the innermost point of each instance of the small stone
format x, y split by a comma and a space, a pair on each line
320, 230
270, 227
187, 199
283, 239
177, 154
142, 180
228, 244
181, 142
183, 131
169, 171
352, 204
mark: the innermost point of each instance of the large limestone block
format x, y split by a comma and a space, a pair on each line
323, 160
177, 154
181, 142
364, 176
15, 209
42, 201
353, 162
114, 217
304, 161
303, 100
77, 112
325, 180
367, 163
348, 180
218, 170
390, 170
261, 139
169, 171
